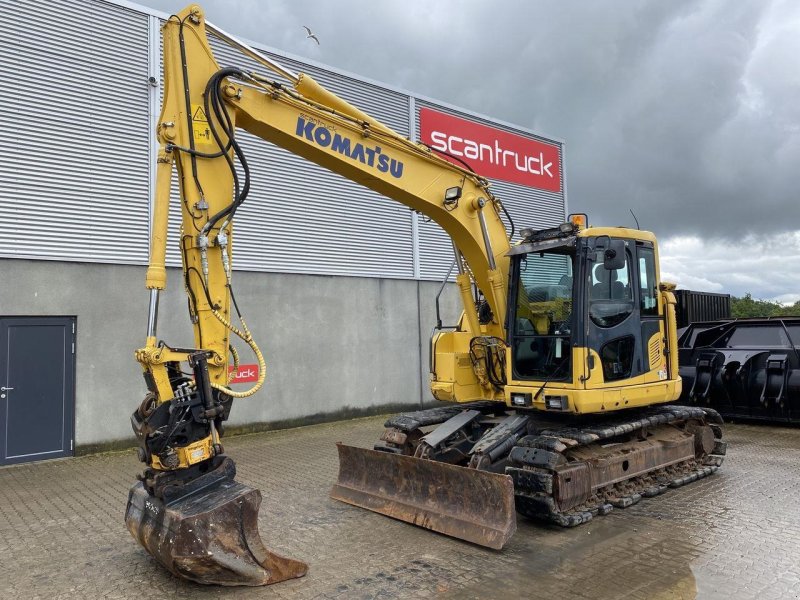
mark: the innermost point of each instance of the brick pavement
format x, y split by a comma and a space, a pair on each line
733, 535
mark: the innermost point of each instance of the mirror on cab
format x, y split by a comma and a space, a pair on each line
614, 256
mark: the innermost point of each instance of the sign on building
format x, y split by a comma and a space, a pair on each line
491, 152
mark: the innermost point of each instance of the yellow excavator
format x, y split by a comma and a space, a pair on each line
554, 380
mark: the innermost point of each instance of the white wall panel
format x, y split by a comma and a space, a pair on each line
75, 135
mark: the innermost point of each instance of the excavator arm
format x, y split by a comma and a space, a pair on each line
179, 423
309, 121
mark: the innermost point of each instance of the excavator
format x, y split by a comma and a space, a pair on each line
554, 382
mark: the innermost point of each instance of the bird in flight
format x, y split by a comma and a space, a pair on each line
311, 35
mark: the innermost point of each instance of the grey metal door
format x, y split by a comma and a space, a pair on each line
37, 388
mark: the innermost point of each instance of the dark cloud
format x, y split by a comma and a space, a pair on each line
753, 265
684, 111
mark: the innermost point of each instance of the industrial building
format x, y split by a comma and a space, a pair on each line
329, 274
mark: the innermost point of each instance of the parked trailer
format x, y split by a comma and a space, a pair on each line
743, 368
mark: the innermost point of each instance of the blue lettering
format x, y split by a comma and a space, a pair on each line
341, 145
358, 153
304, 129
396, 168
373, 157
322, 136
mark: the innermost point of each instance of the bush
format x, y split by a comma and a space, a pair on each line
750, 307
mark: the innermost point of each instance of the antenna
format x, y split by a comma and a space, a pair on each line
635, 219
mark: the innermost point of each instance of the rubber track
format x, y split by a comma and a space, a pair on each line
408, 422
534, 457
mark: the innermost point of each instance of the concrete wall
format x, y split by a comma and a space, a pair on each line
331, 343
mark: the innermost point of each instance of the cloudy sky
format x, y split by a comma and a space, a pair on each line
687, 112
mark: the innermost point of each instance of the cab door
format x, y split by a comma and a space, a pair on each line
651, 313
614, 326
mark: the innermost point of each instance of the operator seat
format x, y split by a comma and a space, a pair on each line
607, 286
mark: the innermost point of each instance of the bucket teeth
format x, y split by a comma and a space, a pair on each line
469, 504
209, 537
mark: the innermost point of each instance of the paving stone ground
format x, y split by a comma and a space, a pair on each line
733, 535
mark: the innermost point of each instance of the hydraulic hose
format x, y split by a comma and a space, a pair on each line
245, 335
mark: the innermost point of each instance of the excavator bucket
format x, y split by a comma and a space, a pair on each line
469, 504
210, 536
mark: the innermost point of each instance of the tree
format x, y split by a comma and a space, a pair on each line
751, 307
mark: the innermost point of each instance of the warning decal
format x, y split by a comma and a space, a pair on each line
198, 114
200, 127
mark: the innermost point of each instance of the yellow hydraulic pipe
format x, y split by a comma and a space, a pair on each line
313, 91
156, 278
668, 295
498, 291
465, 288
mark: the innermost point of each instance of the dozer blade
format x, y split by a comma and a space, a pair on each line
472, 505
210, 536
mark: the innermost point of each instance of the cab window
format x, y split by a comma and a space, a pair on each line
610, 292
617, 358
648, 299
541, 336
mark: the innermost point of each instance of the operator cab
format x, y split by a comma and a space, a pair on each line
584, 288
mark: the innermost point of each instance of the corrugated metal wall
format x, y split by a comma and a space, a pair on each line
77, 172
74, 131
